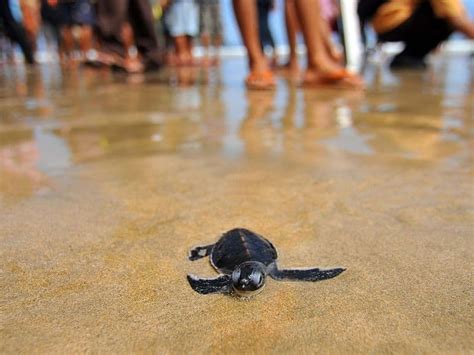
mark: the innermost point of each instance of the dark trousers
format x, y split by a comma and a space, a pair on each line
112, 14
422, 32
15, 31
266, 38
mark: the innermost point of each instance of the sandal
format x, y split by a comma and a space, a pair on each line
260, 81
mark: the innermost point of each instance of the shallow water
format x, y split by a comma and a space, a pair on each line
106, 182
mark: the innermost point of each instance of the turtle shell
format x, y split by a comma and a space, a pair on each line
241, 245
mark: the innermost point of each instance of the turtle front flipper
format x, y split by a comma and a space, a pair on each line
221, 284
305, 274
200, 252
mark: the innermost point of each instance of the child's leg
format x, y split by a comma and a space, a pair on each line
67, 41
291, 21
309, 16
246, 14
180, 43
315, 33
189, 51
85, 41
321, 66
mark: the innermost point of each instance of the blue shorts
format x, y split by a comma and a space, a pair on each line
77, 12
182, 18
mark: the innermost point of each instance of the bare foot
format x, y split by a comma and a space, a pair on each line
263, 80
339, 78
133, 65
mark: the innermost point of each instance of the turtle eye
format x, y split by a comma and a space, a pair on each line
236, 276
257, 278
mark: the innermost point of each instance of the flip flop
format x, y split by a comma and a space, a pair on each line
260, 81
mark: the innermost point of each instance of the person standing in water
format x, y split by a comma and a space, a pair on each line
112, 19
210, 29
182, 21
72, 14
12, 17
322, 67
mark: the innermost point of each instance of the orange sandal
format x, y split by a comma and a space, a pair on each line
260, 81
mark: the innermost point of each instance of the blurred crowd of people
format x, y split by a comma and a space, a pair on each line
132, 35
140, 35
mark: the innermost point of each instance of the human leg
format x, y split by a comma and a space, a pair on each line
111, 15
83, 15
246, 15
331, 49
141, 19
16, 32
131, 62
67, 40
31, 21
292, 27
322, 68
309, 16
180, 43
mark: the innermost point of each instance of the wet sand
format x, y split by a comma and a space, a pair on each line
105, 185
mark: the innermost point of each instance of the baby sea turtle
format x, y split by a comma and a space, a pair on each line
244, 259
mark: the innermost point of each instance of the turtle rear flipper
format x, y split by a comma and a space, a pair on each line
200, 252
305, 274
221, 284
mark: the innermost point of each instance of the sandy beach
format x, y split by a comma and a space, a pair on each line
105, 185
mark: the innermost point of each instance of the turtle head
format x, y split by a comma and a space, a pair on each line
248, 278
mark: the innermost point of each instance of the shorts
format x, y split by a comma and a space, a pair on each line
76, 12
49, 14
182, 18
210, 18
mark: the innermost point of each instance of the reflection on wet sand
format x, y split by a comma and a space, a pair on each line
106, 181
20, 176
